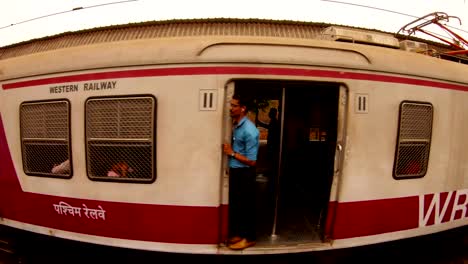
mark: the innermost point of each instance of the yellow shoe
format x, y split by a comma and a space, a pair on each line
234, 240
243, 244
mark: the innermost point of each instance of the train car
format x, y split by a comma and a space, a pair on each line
114, 135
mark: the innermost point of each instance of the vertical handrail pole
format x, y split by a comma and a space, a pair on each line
278, 170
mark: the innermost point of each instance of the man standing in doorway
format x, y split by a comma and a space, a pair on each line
242, 161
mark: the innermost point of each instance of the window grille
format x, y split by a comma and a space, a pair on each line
414, 140
45, 138
120, 138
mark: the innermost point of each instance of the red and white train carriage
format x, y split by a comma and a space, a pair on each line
372, 141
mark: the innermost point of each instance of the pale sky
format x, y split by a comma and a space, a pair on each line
16, 11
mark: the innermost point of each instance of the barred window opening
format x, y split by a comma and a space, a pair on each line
45, 138
120, 138
414, 140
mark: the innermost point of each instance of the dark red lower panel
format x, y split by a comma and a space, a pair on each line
160, 223
363, 218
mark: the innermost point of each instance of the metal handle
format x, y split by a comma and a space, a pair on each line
338, 157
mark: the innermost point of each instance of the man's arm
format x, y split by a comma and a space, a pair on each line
251, 147
227, 149
245, 160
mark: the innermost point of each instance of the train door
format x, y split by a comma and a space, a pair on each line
295, 164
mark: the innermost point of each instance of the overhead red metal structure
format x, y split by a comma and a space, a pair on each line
453, 39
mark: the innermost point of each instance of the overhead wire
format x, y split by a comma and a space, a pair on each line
125, 1
68, 11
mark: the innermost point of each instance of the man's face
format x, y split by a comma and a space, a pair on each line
236, 109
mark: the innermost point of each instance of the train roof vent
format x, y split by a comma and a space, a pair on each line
345, 34
414, 46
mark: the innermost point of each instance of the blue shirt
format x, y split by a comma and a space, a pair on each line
245, 141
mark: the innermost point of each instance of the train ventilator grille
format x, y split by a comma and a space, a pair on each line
120, 138
45, 138
414, 140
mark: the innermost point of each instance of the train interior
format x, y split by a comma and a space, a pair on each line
295, 164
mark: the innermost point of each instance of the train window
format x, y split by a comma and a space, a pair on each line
45, 138
120, 138
414, 140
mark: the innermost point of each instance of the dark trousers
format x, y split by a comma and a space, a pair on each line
242, 203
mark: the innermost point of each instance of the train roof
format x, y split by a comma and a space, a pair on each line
205, 33
188, 27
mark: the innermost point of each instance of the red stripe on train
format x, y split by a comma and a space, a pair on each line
233, 70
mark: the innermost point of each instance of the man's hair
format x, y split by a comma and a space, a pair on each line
242, 100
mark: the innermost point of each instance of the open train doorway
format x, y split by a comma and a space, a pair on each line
298, 124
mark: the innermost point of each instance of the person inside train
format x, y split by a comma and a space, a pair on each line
242, 153
62, 168
272, 138
119, 169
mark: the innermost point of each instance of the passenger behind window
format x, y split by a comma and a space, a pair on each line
62, 168
413, 167
120, 169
